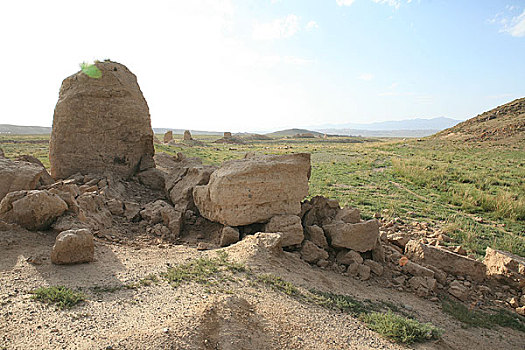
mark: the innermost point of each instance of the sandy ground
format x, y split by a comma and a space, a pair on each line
238, 315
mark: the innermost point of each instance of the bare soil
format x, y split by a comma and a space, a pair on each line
237, 314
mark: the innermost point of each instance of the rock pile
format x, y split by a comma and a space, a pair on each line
101, 125
229, 138
187, 135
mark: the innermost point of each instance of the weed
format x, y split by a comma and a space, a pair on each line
203, 270
395, 327
477, 318
401, 329
62, 297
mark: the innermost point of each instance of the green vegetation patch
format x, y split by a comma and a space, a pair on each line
477, 318
203, 270
390, 325
91, 70
401, 329
62, 297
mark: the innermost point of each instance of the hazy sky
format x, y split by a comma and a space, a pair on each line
245, 65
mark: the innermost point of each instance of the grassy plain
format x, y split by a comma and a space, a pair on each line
476, 193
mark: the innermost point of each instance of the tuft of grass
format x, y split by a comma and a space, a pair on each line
203, 270
278, 284
476, 318
62, 297
401, 329
91, 70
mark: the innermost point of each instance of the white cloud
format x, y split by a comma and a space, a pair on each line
280, 28
393, 3
366, 77
312, 25
344, 2
516, 26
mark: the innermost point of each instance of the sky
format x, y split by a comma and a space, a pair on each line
246, 65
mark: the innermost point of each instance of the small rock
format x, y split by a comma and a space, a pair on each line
513, 302
520, 310
348, 257
363, 271
458, 290
312, 253
375, 267
73, 247
229, 235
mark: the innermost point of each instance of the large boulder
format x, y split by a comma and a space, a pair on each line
254, 189
290, 226
445, 260
101, 124
73, 247
183, 174
33, 210
361, 237
504, 266
20, 175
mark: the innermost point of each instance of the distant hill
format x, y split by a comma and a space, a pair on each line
24, 130
381, 133
503, 124
293, 132
398, 128
407, 124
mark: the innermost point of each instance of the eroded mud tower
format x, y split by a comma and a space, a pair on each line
101, 125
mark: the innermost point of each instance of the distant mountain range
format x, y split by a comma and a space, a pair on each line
401, 128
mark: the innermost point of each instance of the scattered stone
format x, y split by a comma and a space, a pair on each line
361, 237
363, 271
513, 302
168, 136
312, 253
2, 155
375, 267
316, 234
520, 310
347, 257
458, 290
152, 178
348, 215
422, 285
319, 211
398, 239
131, 210
445, 260
112, 103
116, 207
229, 235
152, 211
172, 219
20, 175
73, 247
322, 263
290, 227
504, 266
353, 269
254, 189
378, 253
417, 270
183, 177
33, 210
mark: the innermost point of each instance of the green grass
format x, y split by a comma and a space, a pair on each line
62, 297
208, 271
445, 184
477, 318
385, 322
401, 329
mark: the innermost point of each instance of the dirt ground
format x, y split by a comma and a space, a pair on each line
238, 315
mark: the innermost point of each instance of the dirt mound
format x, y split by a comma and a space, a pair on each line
504, 124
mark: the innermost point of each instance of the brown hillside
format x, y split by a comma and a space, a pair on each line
504, 124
